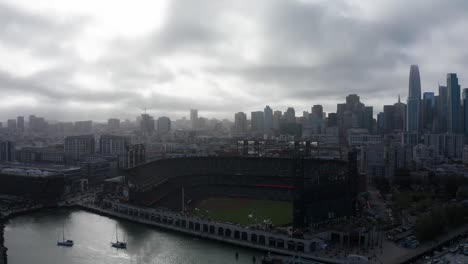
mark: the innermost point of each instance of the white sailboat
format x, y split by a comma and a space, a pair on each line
64, 242
117, 243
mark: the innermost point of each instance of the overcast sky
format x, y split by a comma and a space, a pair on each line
94, 59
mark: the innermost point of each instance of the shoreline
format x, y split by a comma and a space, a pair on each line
144, 217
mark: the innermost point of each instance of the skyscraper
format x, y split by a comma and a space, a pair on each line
428, 109
194, 118
368, 118
413, 115
442, 110
277, 120
147, 125
256, 120
317, 111
453, 104
399, 115
268, 115
290, 116
20, 123
11, 124
164, 125
388, 118
240, 124
465, 111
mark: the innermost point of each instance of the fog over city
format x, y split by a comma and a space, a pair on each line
71, 60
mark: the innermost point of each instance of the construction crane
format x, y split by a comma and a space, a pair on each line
145, 109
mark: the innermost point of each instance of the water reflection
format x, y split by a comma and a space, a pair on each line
32, 239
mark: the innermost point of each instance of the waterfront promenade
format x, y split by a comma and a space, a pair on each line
268, 241
228, 233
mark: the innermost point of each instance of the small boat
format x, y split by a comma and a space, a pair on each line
117, 243
64, 242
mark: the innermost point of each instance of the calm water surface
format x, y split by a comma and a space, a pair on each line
32, 239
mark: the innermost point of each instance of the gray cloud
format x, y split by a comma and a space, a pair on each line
280, 53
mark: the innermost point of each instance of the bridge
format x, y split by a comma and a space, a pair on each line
319, 189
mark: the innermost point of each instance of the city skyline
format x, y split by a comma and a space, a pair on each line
290, 54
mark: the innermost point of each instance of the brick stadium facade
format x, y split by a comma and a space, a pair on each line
319, 189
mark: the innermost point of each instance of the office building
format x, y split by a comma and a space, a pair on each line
7, 150
194, 118
399, 115
83, 127
413, 116
112, 145
268, 115
20, 123
442, 110
77, 146
11, 124
317, 111
147, 125
113, 124
163, 125
135, 155
453, 104
277, 115
257, 120
240, 124
428, 111
290, 116
465, 111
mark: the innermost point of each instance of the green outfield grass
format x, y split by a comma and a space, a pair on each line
237, 210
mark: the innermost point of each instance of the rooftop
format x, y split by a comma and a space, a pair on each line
36, 170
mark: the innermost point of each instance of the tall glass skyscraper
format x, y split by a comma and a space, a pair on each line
268, 122
453, 102
442, 110
413, 113
465, 111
